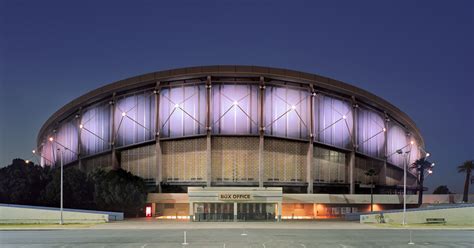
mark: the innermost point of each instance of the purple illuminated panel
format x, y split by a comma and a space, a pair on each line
183, 111
397, 140
235, 109
95, 129
287, 112
47, 153
333, 121
135, 118
67, 140
415, 152
370, 133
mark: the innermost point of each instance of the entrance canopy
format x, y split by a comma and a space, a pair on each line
234, 203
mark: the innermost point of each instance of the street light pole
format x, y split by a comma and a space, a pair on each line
61, 204
404, 189
404, 156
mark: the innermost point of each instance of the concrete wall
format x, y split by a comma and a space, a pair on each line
463, 215
32, 214
330, 198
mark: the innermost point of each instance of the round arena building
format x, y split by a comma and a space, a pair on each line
241, 142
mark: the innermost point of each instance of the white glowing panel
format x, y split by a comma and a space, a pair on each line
415, 152
95, 129
67, 140
183, 111
370, 133
135, 118
333, 121
287, 112
235, 109
47, 153
397, 140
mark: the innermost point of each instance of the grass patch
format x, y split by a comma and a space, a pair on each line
423, 225
44, 225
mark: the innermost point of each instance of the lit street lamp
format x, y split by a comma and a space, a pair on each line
405, 155
61, 153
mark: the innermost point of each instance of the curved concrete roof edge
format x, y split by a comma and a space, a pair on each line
234, 70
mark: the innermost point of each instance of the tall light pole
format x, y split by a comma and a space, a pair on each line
400, 151
61, 152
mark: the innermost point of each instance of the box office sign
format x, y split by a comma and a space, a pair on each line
235, 197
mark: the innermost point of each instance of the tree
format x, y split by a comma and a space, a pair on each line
22, 182
466, 167
371, 173
78, 189
119, 190
441, 190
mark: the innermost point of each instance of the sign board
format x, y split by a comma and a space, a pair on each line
235, 197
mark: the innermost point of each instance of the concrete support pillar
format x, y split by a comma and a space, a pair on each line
352, 159
115, 164
208, 136
261, 169
279, 208
235, 211
158, 154
260, 162
309, 168
153, 209
383, 171
191, 211
79, 139
309, 155
351, 172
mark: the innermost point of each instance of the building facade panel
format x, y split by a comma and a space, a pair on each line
235, 159
135, 118
95, 129
333, 121
329, 166
182, 110
140, 161
66, 139
285, 161
397, 140
235, 109
371, 133
287, 112
184, 160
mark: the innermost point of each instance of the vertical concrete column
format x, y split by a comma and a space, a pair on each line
208, 136
355, 107
309, 156
235, 211
158, 154
153, 209
115, 164
315, 211
191, 211
383, 171
79, 139
279, 211
261, 171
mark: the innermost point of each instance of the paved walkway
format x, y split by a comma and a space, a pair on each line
153, 224
144, 223
173, 224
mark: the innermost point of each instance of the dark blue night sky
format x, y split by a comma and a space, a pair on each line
418, 55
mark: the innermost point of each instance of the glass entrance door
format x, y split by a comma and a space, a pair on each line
214, 211
256, 211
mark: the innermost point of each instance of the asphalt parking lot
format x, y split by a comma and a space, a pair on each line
266, 238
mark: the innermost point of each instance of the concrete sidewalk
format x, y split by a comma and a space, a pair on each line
153, 224
181, 225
